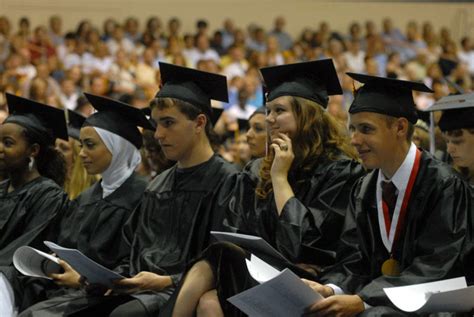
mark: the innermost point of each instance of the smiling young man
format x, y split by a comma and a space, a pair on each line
406, 222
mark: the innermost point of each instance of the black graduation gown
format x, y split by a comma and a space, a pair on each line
28, 216
310, 223
93, 225
306, 232
429, 247
171, 225
169, 228
469, 246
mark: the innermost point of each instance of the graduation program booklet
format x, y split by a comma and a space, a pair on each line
32, 262
252, 243
92, 271
451, 295
280, 294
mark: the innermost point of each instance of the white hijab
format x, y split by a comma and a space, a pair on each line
125, 158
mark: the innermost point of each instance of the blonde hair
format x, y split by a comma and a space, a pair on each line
319, 138
78, 180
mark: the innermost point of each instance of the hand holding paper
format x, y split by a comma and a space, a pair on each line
280, 294
69, 278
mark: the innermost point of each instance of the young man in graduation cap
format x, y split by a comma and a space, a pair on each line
457, 125
406, 222
171, 225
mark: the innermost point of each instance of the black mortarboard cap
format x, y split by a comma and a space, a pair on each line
193, 86
243, 124
447, 65
315, 80
118, 117
46, 123
386, 96
75, 122
215, 115
260, 110
458, 112
147, 112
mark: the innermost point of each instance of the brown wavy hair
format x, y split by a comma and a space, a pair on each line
319, 138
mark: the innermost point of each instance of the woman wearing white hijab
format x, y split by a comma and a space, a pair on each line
110, 142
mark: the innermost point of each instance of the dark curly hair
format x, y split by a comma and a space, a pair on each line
49, 162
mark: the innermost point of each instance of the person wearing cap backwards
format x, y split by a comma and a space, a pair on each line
110, 143
31, 199
297, 200
406, 222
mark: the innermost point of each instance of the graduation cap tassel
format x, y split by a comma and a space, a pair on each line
236, 140
432, 134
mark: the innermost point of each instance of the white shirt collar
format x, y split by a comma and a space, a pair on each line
402, 175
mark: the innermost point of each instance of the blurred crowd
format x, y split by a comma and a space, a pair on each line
120, 59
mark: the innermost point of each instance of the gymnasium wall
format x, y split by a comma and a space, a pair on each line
457, 16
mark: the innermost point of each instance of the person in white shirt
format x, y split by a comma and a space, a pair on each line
406, 221
202, 51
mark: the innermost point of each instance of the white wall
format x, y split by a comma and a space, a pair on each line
459, 17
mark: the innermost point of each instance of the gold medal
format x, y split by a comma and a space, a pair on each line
391, 267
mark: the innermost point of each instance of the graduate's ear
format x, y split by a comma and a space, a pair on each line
201, 121
401, 125
34, 150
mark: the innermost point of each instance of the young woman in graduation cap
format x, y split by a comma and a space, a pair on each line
32, 198
110, 143
297, 202
77, 178
257, 133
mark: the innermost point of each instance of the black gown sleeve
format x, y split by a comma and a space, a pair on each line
33, 220
308, 227
236, 201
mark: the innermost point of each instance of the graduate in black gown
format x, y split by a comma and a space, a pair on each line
93, 223
31, 199
406, 222
457, 125
295, 198
171, 225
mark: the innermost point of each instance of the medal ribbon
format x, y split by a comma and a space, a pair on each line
403, 209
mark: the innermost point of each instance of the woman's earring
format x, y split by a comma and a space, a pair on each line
31, 163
